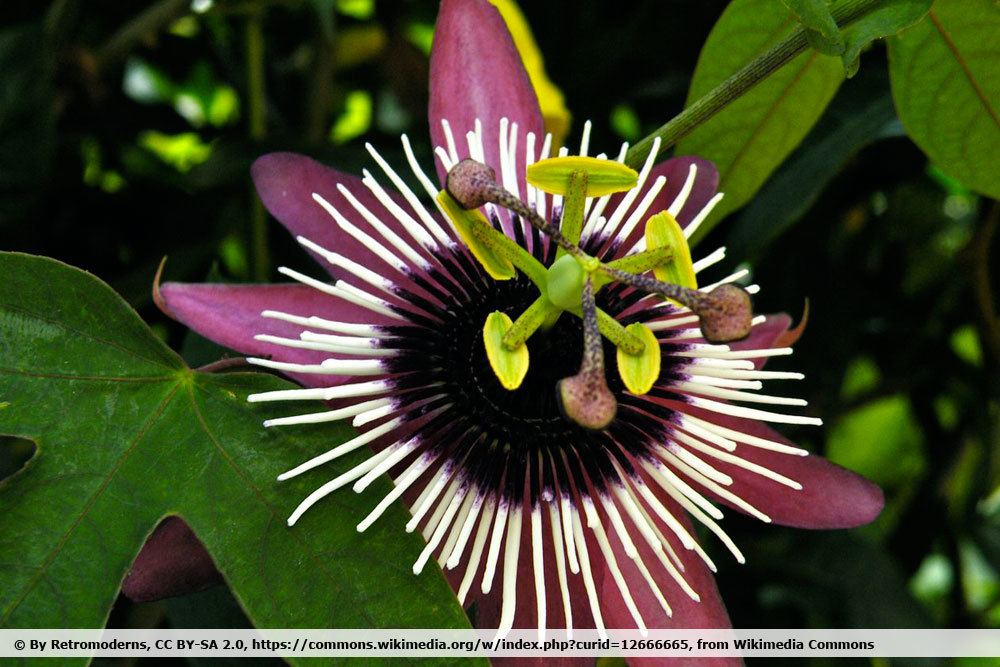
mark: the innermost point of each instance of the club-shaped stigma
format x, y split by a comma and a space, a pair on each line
725, 314
584, 398
473, 184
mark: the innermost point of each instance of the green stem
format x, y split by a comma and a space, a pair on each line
254, 34
574, 203
528, 322
512, 252
616, 333
750, 75
637, 263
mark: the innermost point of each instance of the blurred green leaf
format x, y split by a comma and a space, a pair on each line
359, 9
199, 99
146, 83
880, 440
421, 35
94, 173
861, 376
932, 582
979, 578
625, 122
181, 151
357, 45
860, 114
965, 344
355, 119
753, 135
946, 82
27, 118
860, 582
128, 434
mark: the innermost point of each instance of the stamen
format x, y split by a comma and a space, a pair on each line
595, 221
473, 492
457, 496
455, 556
512, 549
558, 548
704, 213
499, 525
403, 482
538, 563
473, 185
678, 203
346, 328
476, 555
342, 449
626, 203
588, 578
334, 484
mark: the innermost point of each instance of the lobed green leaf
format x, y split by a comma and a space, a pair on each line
127, 435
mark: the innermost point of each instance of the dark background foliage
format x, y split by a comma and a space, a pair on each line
127, 130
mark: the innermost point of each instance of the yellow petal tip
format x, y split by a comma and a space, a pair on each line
510, 366
640, 371
603, 176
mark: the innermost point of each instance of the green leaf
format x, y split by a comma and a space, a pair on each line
821, 28
889, 19
945, 74
880, 440
127, 434
860, 114
753, 135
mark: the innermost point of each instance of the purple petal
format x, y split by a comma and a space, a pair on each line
675, 170
488, 606
706, 184
286, 183
764, 336
172, 562
831, 496
476, 72
709, 612
230, 316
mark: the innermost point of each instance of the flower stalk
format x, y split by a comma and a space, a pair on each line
739, 83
